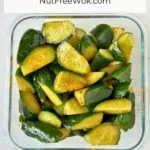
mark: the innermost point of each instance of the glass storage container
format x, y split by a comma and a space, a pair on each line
129, 140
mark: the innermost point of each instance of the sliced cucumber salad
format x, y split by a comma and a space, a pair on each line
74, 83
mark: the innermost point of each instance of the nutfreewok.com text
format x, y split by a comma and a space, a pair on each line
75, 1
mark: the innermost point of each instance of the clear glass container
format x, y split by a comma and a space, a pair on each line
132, 139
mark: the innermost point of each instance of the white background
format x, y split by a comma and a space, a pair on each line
5, 24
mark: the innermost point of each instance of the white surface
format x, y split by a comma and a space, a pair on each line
34, 6
5, 23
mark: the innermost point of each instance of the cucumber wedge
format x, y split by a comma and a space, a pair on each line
97, 93
126, 43
117, 31
114, 106
57, 31
29, 41
79, 95
75, 39
72, 107
123, 74
24, 83
83, 121
71, 59
93, 94
102, 59
41, 131
116, 53
104, 134
38, 58
46, 79
87, 48
111, 67
127, 121
50, 118
93, 77
30, 101
102, 35
67, 81
121, 89
41, 94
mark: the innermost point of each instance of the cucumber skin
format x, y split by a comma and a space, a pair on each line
45, 77
123, 73
55, 68
30, 40
127, 121
99, 62
121, 89
71, 120
84, 44
117, 55
28, 115
97, 93
28, 78
43, 132
40, 92
102, 35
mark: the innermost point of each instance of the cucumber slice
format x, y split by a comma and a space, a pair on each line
57, 31
123, 73
117, 31
30, 101
41, 131
102, 36
72, 107
87, 48
73, 61
93, 77
114, 106
38, 58
102, 59
46, 79
104, 134
93, 94
29, 41
67, 81
111, 67
24, 83
75, 39
126, 43
97, 93
50, 118
83, 121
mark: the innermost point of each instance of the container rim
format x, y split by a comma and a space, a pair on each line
131, 17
